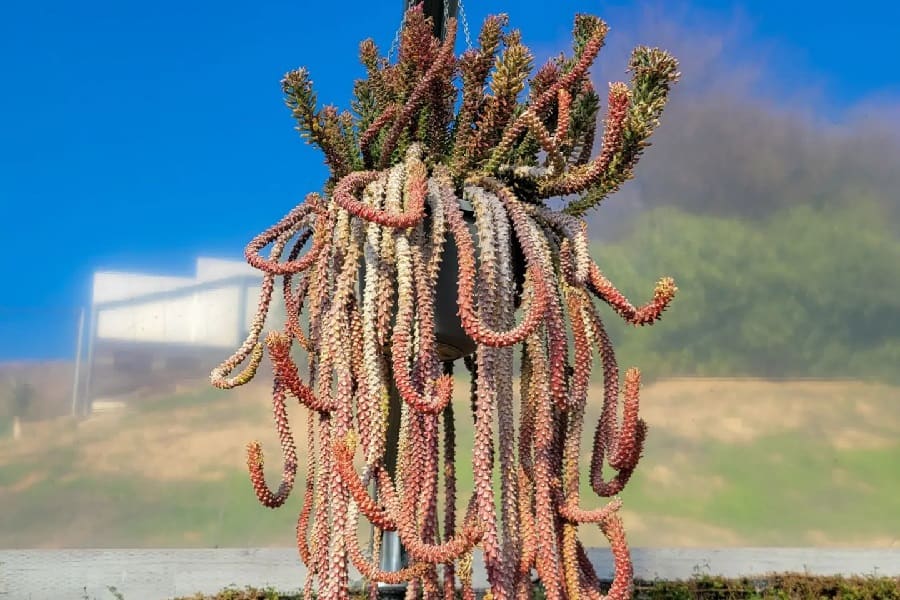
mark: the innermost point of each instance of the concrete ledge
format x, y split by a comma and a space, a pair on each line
156, 574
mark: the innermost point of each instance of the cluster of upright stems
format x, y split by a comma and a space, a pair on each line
363, 259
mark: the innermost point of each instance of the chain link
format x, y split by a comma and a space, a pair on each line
446, 4
461, 18
461, 13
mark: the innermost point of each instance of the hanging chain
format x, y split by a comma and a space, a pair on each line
461, 18
461, 13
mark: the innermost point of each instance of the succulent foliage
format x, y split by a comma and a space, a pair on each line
426, 132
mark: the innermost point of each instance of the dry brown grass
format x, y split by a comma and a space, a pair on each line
852, 414
190, 443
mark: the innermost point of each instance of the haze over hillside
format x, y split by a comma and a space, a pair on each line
741, 139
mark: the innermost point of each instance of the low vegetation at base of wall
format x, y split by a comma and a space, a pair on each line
786, 586
775, 587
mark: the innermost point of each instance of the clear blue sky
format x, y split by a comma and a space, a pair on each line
141, 135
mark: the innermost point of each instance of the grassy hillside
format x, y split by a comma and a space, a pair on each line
804, 293
728, 462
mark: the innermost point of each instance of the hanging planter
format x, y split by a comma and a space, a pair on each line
401, 166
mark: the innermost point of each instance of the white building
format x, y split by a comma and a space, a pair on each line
141, 322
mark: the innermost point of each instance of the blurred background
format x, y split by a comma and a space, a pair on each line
143, 145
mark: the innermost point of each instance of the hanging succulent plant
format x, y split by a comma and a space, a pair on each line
401, 165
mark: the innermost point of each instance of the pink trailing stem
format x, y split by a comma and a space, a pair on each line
288, 223
255, 460
473, 326
346, 188
279, 346
449, 550
623, 578
527, 532
441, 389
293, 303
580, 381
547, 556
644, 315
303, 522
449, 496
374, 574
571, 512
309, 498
630, 436
377, 515
623, 445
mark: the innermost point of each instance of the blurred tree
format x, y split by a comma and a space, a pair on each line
805, 292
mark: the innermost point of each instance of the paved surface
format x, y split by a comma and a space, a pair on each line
160, 574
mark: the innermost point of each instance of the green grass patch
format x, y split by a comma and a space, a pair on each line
776, 490
6, 427
206, 396
125, 511
774, 587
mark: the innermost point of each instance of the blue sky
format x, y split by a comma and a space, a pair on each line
141, 135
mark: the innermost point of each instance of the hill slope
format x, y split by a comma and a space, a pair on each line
728, 462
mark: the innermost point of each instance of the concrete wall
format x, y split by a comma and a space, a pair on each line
148, 574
